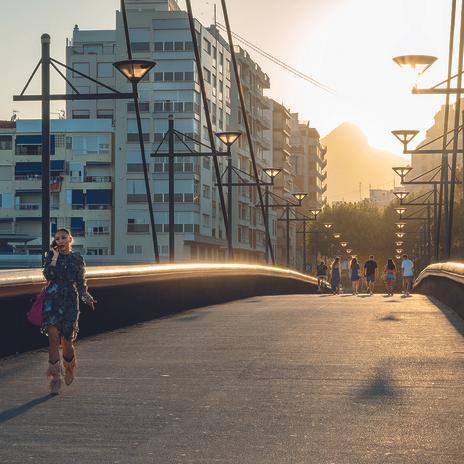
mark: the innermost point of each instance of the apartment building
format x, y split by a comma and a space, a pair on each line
82, 184
310, 162
249, 235
280, 152
159, 31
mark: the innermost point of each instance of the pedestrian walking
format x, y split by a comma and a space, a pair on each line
370, 273
354, 275
65, 272
389, 276
335, 276
407, 269
322, 271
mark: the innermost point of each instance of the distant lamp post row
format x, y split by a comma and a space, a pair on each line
419, 64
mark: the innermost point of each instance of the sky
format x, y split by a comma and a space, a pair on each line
345, 44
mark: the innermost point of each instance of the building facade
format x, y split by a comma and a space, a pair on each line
82, 185
159, 31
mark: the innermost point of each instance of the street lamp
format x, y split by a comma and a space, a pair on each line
402, 171
405, 136
272, 172
337, 235
399, 250
229, 138
299, 196
328, 225
134, 70
418, 63
398, 244
315, 211
401, 225
349, 250
400, 234
398, 256
343, 244
400, 211
400, 194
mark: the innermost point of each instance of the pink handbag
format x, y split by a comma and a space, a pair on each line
34, 316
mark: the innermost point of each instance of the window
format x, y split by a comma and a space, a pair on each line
6, 200
97, 227
205, 220
189, 76
105, 114
178, 46
97, 251
105, 70
178, 76
6, 142
207, 46
134, 249
159, 46
169, 76
188, 46
81, 114
168, 46
90, 144
83, 68
137, 225
158, 76
206, 191
207, 75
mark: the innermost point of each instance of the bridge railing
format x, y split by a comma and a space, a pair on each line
444, 281
131, 294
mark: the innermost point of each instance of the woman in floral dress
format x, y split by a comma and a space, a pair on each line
65, 272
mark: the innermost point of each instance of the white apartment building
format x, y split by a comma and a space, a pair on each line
82, 184
249, 235
159, 31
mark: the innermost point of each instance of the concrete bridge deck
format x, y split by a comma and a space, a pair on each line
277, 379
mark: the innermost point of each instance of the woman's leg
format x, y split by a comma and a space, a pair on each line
69, 360
53, 344
54, 362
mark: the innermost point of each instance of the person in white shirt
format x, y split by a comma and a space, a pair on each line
407, 268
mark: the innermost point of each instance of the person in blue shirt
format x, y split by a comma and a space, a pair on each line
407, 268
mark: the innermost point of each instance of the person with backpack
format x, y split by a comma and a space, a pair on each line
322, 271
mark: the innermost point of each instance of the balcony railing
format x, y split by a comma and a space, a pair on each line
97, 179
138, 228
28, 206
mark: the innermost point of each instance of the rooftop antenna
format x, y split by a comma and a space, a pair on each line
14, 116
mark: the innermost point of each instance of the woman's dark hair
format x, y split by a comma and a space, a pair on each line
391, 264
354, 261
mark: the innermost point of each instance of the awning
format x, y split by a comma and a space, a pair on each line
28, 168
57, 166
77, 223
99, 197
35, 139
28, 218
77, 197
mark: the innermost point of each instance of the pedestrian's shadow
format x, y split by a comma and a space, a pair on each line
9, 414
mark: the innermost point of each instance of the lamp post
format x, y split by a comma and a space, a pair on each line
272, 173
229, 138
134, 71
423, 62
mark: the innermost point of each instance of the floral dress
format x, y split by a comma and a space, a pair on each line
66, 284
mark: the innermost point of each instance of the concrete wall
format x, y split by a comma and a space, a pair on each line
132, 294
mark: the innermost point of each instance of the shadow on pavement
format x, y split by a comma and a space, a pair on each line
380, 386
390, 317
17, 411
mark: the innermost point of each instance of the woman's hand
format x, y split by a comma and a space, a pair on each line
91, 301
56, 253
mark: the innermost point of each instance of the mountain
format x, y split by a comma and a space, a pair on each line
351, 161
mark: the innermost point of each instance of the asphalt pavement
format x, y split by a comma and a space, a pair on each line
283, 379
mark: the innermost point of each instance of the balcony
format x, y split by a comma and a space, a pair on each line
136, 198
138, 228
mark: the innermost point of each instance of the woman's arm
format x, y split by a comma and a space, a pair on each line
49, 270
81, 282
